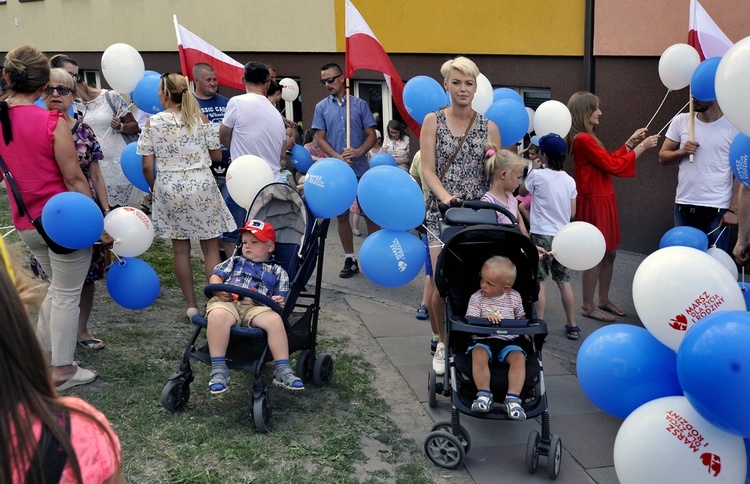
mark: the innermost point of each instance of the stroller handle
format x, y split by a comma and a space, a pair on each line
257, 297
480, 204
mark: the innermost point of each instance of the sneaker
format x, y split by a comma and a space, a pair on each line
483, 403
438, 361
350, 268
219, 382
514, 409
288, 380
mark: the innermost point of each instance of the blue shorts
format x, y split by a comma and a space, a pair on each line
428, 260
503, 349
238, 213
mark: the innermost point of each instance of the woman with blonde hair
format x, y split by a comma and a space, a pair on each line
596, 203
187, 202
452, 144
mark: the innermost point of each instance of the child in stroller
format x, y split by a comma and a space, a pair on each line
253, 270
496, 300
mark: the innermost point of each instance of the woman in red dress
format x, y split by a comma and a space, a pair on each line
596, 204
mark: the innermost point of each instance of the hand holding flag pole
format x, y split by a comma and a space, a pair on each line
691, 123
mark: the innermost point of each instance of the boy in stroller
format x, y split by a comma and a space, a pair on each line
496, 300
253, 270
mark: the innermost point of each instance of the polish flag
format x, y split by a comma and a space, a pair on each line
363, 51
193, 50
704, 35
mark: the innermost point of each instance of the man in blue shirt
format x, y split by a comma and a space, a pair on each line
329, 125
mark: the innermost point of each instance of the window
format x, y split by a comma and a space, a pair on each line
532, 98
373, 93
92, 78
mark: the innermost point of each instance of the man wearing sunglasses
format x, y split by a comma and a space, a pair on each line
329, 124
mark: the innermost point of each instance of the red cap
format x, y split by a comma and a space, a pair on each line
263, 231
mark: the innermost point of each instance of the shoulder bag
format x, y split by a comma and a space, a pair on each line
129, 138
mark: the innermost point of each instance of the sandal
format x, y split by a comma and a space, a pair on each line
483, 403
423, 312
219, 382
288, 380
146, 204
572, 332
514, 409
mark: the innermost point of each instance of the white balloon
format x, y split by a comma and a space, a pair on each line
246, 175
552, 117
676, 66
731, 85
675, 287
531, 120
579, 246
122, 67
667, 441
132, 230
725, 260
483, 97
289, 89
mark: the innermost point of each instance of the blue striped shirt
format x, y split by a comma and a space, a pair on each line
268, 278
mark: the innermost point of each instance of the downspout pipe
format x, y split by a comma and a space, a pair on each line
588, 48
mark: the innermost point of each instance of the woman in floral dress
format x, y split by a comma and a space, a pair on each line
178, 145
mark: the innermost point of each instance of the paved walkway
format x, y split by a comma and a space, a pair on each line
499, 447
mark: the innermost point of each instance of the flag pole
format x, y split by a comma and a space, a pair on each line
691, 123
348, 118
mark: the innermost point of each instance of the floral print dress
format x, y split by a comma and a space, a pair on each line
187, 203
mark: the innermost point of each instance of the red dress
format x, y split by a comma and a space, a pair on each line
593, 169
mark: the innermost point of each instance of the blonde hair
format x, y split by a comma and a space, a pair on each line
581, 106
177, 89
501, 160
62, 77
501, 265
462, 64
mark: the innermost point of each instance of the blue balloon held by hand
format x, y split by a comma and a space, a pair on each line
132, 283
330, 187
702, 82
132, 167
301, 158
684, 236
739, 155
511, 118
146, 95
506, 93
73, 220
391, 198
423, 95
382, 159
391, 258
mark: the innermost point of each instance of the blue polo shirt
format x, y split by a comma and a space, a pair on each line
330, 116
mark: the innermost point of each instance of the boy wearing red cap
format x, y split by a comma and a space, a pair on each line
252, 270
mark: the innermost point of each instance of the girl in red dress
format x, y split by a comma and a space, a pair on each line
596, 204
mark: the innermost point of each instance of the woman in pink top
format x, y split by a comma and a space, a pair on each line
31, 413
40, 154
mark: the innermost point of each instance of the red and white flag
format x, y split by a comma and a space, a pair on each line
363, 51
193, 50
704, 35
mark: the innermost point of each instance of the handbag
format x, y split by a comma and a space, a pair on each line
431, 199
36, 222
129, 138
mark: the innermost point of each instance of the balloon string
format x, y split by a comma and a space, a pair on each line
441, 243
672, 118
124, 112
659, 108
12, 229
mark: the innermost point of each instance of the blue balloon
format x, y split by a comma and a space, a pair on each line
702, 82
423, 95
146, 95
713, 364
132, 167
132, 283
739, 154
383, 159
506, 93
391, 258
621, 367
391, 198
511, 118
330, 187
301, 158
73, 220
745, 288
148, 73
684, 236
448, 98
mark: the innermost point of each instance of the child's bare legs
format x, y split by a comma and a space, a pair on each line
220, 322
516, 377
271, 323
480, 372
568, 302
541, 302
183, 271
355, 224
87, 302
211, 256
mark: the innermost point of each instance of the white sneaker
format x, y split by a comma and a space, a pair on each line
438, 361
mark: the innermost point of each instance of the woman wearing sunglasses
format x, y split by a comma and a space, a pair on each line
97, 108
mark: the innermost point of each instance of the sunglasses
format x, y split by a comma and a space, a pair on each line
330, 80
61, 90
75, 77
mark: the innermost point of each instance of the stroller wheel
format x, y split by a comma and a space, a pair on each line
175, 395
432, 389
532, 452
465, 438
262, 414
444, 450
554, 457
323, 370
303, 366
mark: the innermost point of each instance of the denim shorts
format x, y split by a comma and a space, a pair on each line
501, 346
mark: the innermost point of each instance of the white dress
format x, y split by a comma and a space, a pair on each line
98, 114
187, 203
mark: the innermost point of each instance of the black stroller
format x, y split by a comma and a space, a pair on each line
471, 236
300, 242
